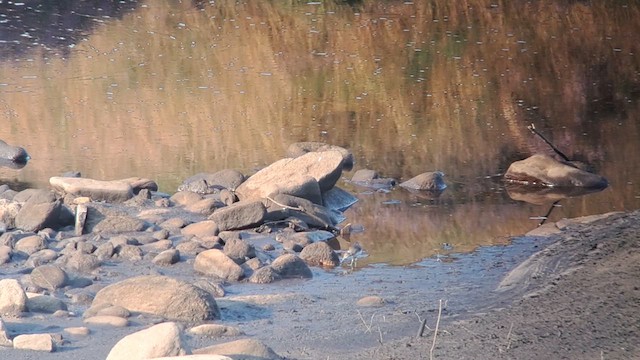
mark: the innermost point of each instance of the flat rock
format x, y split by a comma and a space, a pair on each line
543, 170
13, 299
37, 342
244, 348
324, 166
160, 295
107, 320
49, 277
99, 190
320, 254
78, 331
41, 257
217, 263
160, 340
240, 215
201, 229
215, 330
290, 266
371, 301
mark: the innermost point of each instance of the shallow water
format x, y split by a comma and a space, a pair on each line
167, 89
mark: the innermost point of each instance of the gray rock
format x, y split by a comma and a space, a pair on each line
371, 301
174, 223
49, 277
543, 170
428, 181
160, 340
35, 216
104, 251
241, 215
37, 342
320, 254
13, 299
205, 183
80, 262
41, 257
30, 245
291, 266
140, 185
167, 257
264, 275
325, 167
239, 250
215, 330
13, 154
205, 206
241, 349
301, 148
107, 320
4, 337
119, 224
160, 295
215, 262
44, 304
129, 252
110, 191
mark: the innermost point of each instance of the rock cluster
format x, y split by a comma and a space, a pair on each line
58, 244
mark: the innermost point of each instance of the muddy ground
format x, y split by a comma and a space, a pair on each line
576, 297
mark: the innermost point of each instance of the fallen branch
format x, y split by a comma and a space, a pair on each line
533, 129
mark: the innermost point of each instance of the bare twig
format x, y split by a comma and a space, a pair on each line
367, 327
435, 333
509, 337
380, 333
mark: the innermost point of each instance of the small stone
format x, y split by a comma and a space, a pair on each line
264, 275
107, 320
79, 331
44, 303
41, 257
291, 266
239, 250
30, 244
129, 252
201, 229
320, 254
371, 301
167, 257
5, 254
245, 348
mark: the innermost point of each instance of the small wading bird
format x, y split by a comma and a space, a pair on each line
352, 254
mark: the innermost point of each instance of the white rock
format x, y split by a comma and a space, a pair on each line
38, 342
13, 299
159, 340
107, 320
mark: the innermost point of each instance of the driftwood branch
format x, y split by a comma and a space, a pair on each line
533, 129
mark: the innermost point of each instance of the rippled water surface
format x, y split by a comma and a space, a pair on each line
167, 89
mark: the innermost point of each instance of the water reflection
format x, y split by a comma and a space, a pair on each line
167, 89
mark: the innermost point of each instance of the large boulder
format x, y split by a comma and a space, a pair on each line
160, 340
543, 170
160, 295
111, 191
290, 175
14, 154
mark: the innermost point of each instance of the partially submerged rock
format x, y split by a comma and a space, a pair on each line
205, 183
544, 170
301, 148
13, 155
99, 190
428, 181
